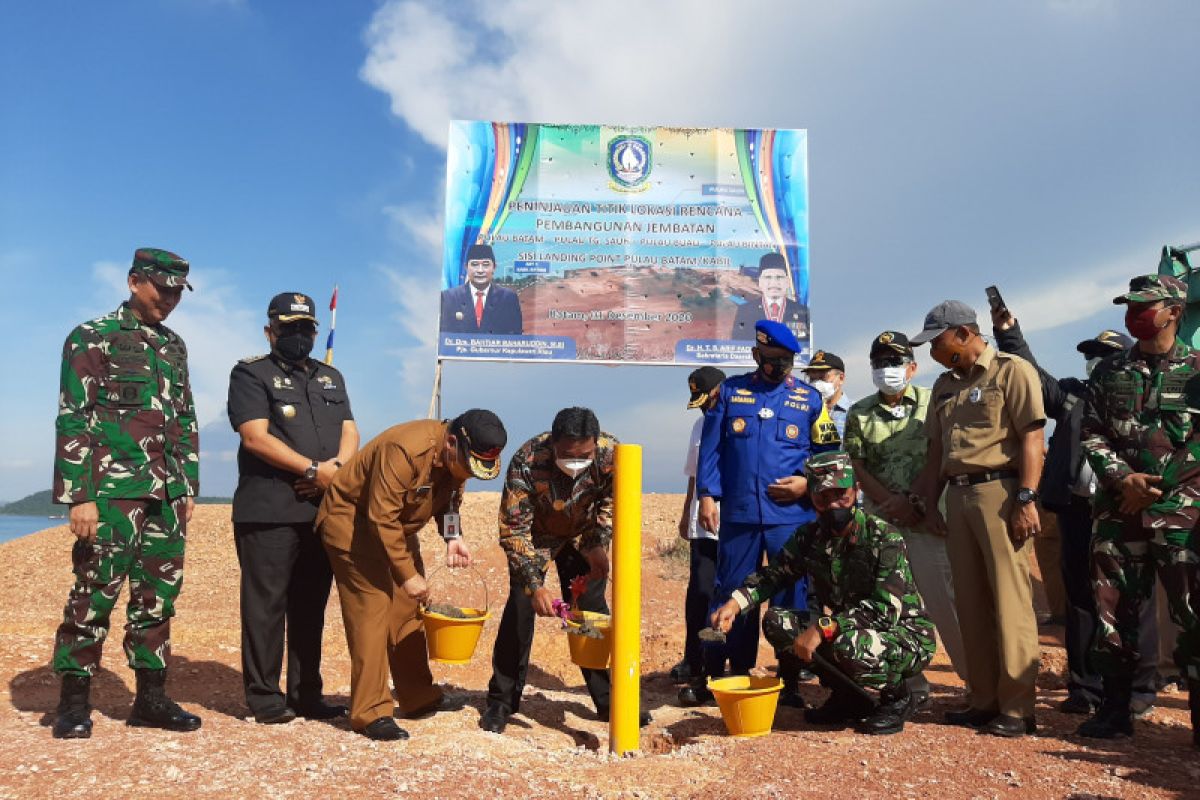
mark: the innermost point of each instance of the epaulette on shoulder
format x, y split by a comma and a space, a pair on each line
252, 359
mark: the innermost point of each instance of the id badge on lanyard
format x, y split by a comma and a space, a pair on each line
451, 526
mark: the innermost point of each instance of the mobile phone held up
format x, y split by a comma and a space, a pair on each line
994, 298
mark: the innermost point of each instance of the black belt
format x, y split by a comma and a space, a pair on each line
982, 477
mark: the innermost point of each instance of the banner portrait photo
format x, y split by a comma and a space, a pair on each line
622, 245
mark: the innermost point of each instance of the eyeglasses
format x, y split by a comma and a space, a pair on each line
299, 326
890, 361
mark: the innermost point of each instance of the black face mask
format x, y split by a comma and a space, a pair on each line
775, 368
835, 520
294, 347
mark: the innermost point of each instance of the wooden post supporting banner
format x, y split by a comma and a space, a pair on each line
627, 600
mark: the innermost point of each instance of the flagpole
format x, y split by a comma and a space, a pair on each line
332, 325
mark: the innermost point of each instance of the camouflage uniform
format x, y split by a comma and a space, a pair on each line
884, 636
126, 440
1139, 422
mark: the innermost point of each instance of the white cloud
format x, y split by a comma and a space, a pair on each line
419, 224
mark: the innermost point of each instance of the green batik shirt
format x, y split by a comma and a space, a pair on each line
890, 440
863, 579
126, 424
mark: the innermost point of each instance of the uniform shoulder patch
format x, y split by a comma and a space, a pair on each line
252, 359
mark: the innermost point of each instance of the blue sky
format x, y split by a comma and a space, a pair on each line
1048, 147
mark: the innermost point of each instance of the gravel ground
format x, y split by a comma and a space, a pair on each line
555, 747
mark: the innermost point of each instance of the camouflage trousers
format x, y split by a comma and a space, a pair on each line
141, 540
1126, 558
874, 659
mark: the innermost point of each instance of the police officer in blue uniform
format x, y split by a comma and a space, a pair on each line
756, 440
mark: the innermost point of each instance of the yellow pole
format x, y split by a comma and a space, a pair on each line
627, 600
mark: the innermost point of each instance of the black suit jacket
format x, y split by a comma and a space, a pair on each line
501, 311
795, 316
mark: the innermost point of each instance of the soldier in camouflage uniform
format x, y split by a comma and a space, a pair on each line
875, 631
1142, 442
126, 462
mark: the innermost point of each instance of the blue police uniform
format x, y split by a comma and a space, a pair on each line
756, 433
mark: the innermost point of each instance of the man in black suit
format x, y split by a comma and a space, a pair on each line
480, 306
774, 304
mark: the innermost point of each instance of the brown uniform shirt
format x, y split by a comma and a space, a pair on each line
387, 492
980, 415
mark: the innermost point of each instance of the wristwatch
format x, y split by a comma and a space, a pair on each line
1026, 496
310, 474
827, 627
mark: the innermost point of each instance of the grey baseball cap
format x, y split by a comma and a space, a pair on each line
944, 316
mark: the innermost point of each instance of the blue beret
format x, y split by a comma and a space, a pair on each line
775, 334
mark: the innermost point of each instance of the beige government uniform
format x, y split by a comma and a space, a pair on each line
369, 520
978, 417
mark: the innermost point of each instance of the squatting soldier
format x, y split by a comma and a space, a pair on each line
875, 631
126, 462
1142, 441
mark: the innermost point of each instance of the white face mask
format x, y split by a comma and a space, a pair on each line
826, 388
890, 380
1090, 365
573, 466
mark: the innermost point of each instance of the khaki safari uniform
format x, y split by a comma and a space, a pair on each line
979, 416
369, 521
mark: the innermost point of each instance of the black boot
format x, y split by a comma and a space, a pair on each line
896, 705
1113, 720
791, 670
841, 707
153, 709
74, 720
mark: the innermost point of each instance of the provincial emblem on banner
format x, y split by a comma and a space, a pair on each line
629, 163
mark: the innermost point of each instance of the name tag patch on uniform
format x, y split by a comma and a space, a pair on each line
797, 406
765, 413
736, 399
791, 431
738, 425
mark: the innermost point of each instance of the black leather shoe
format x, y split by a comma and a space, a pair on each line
971, 717
790, 696
1009, 727
840, 708
1106, 725
384, 729
275, 716
602, 713
1077, 704
895, 708
494, 720
681, 672
321, 710
692, 696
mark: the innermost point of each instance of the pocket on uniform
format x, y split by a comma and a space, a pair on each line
739, 425
981, 412
123, 391
790, 430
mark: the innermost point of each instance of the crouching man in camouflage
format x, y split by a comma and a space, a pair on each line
126, 463
875, 633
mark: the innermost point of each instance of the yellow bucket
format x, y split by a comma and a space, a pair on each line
586, 651
747, 703
451, 640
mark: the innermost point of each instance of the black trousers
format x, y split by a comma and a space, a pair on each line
1075, 532
285, 581
510, 658
701, 577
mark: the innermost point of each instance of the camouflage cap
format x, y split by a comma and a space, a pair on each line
161, 266
1152, 288
829, 471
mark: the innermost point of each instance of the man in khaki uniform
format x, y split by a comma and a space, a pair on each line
369, 521
986, 441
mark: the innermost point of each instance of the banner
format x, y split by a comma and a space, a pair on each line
622, 245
